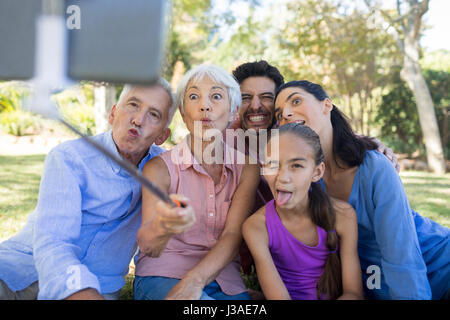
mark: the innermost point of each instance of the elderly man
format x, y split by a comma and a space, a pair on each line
78, 242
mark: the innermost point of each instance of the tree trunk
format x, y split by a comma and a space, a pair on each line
412, 75
104, 99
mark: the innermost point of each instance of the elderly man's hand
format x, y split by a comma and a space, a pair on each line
175, 220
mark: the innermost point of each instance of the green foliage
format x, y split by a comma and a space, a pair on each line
436, 60
12, 94
127, 291
251, 280
20, 123
6, 104
77, 106
178, 130
398, 116
191, 24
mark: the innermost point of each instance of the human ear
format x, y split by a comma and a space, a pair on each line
328, 106
163, 136
111, 115
318, 172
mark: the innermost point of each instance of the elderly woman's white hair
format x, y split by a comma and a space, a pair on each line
216, 74
163, 83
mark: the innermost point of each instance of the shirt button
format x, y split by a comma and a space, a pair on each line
211, 214
211, 195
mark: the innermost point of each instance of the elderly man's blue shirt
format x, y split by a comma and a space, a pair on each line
82, 233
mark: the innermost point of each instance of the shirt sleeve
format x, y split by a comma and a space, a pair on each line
402, 264
58, 225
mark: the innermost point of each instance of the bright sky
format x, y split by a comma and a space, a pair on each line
437, 37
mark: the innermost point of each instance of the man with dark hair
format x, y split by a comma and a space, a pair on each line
258, 81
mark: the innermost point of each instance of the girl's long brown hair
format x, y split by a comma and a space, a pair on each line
323, 215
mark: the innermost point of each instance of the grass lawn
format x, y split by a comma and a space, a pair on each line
19, 186
429, 194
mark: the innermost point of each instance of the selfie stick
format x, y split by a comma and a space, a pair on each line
50, 63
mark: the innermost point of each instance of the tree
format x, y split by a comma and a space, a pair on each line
406, 23
188, 36
398, 116
340, 46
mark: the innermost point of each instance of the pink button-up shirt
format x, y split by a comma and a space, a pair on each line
210, 203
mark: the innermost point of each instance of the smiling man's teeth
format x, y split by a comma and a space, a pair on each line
301, 121
256, 118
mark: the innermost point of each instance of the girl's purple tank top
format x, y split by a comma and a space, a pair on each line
300, 266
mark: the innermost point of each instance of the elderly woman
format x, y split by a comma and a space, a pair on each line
191, 252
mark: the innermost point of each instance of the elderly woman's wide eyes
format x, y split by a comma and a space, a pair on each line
216, 96
193, 96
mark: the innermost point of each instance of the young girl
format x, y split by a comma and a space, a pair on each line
304, 245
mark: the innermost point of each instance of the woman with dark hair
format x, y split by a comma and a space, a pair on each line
304, 248
403, 255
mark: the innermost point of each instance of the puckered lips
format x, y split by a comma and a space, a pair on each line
133, 133
283, 196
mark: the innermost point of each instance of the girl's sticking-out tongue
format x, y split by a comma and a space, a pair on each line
283, 197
